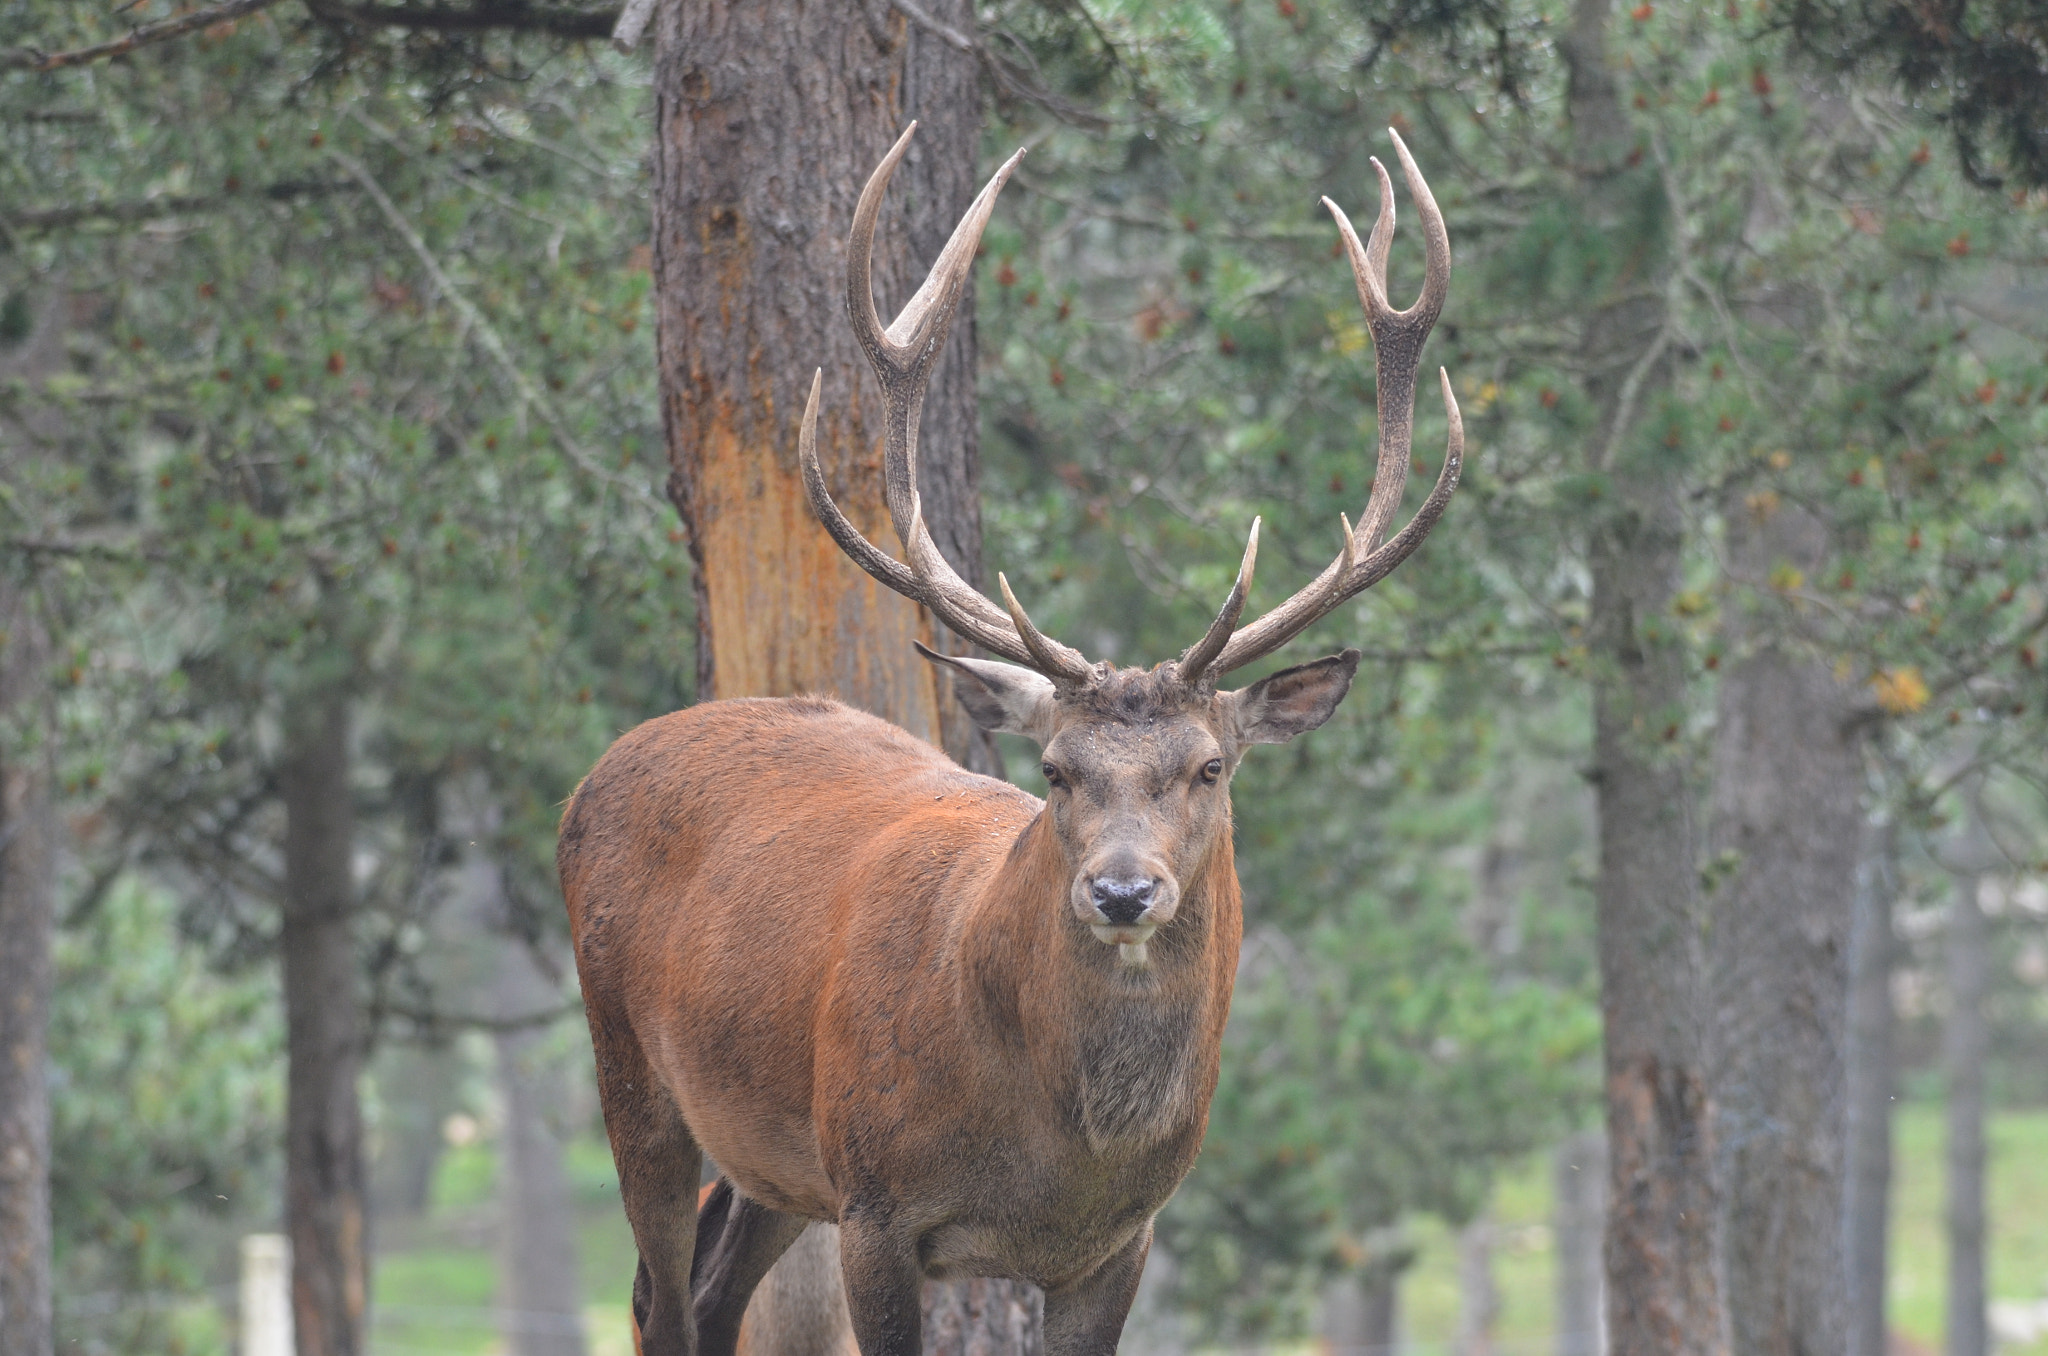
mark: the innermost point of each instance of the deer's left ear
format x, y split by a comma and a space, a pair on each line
1293, 701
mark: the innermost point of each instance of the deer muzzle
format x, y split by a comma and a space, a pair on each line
1124, 905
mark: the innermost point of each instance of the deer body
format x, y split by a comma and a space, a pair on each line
877, 994
977, 1030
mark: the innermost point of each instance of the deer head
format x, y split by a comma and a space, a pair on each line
1138, 761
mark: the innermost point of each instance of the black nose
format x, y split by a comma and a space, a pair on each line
1121, 901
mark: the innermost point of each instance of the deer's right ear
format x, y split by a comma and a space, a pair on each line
1005, 698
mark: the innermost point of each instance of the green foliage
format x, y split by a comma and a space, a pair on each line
1177, 349
168, 1098
353, 391
1375, 1067
327, 375
1982, 63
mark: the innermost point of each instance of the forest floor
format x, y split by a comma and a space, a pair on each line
435, 1279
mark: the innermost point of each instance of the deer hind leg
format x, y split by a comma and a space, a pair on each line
1087, 1317
738, 1240
658, 1162
884, 1284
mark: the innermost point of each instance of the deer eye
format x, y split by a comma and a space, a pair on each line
1212, 770
1052, 774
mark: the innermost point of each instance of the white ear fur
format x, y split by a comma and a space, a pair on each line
1006, 698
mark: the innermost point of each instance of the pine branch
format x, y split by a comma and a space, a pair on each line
156, 209
31, 59
513, 15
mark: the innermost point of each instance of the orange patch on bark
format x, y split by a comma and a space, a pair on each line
789, 612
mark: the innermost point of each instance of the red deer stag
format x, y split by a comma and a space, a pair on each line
978, 1030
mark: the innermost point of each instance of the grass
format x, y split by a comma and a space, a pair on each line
436, 1280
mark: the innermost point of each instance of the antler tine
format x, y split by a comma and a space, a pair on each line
1196, 660
1397, 340
1061, 663
913, 581
904, 354
1052, 659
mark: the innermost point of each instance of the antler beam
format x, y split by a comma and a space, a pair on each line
903, 356
1397, 340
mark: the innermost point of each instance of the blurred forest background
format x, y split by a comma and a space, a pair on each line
1702, 745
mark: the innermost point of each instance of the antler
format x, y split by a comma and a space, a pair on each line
1397, 339
903, 356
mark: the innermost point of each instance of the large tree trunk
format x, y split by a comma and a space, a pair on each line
27, 930
1579, 1210
1871, 1080
324, 1035
1663, 1295
1963, 1046
1788, 820
768, 119
540, 1296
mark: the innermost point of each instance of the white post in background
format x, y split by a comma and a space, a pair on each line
266, 1295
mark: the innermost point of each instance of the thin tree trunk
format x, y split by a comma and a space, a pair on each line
540, 1304
1579, 1210
1788, 782
1382, 1315
28, 848
324, 1172
1478, 1290
1362, 1310
1871, 1080
1663, 1294
418, 1089
1963, 1047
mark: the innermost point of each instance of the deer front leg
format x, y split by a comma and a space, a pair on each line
1087, 1317
883, 1282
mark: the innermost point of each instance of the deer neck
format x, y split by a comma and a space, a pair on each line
1131, 1051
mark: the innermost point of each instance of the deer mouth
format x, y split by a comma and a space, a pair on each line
1129, 939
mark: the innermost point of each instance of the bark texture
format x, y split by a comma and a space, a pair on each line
1787, 825
1871, 1081
325, 1186
1579, 1196
983, 1318
1663, 1295
1963, 1045
769, 120
27, 930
